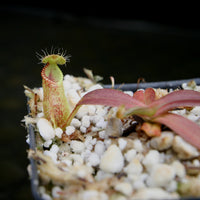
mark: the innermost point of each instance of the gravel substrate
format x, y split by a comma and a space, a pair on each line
93, 159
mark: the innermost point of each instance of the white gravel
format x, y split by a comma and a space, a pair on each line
45, 129
112, 160
77, 146
132, 168
69, 130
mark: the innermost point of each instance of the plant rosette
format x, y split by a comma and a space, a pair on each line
98, 143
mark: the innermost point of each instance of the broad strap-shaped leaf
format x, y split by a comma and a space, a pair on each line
184, 127
180, 98
145, 96
110, 97
106, 97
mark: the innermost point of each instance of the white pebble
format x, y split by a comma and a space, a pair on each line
40, 93
138, 145
89, 147
179, 112
69, 130
88, 140
164, 141
69, 78
193, 117
85, 154
47, 143
94, 129
124, 187
101, 124
196, 110
40, 115
45, 129
77, 146
134, 167
27, 139
102, 134
196, 163
96, 118
130, 154
140, 156
107, 142
58, 132
179, 169
67, 85
85, 121
185, 86
51, 154
184, 149
73, 97
93, 159
91, 110
112, 160
55, 191
172, 186
83, 110
76, 86
76, 123
94, 87
46, 196
83, 129
102, 111
54, 148
94, 141
77, 159
122, 143
129, 93
99, 148
161, 175
67, 161
153, 193
139, 182
93, 195
151, 158
102, 175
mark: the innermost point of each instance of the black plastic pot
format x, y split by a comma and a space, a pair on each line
133, 87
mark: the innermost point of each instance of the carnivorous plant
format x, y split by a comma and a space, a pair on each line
144, 104
153, 111
55, 105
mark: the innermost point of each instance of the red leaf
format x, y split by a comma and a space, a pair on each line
139, 95
180, 98
187, 129
151, 129
147, 96
110, 97
150, 95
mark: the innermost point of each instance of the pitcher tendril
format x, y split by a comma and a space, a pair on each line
55, 105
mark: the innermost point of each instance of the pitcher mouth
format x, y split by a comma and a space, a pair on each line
49, 75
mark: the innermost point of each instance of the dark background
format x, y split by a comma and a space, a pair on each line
125, 41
